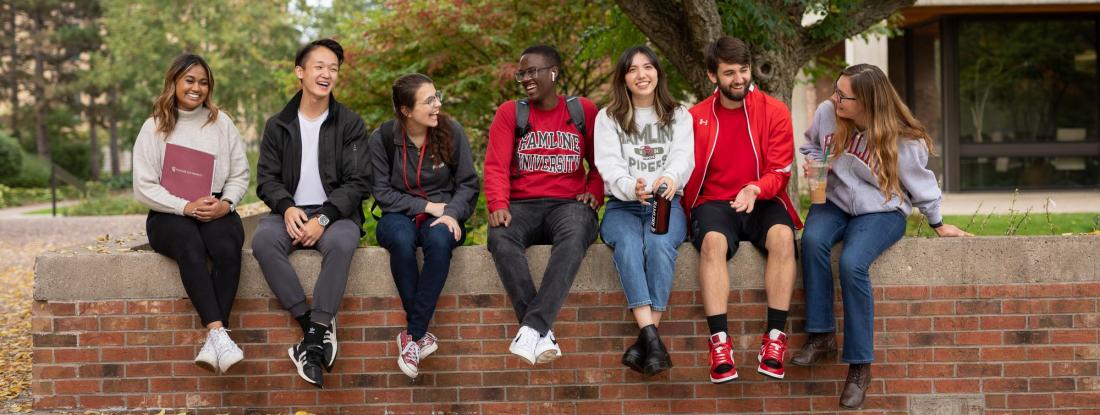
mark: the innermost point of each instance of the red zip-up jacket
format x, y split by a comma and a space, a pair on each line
772, 136
550, 156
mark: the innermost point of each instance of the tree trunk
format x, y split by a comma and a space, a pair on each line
93, 138
681, 32
43, 144
13, 74
112, 123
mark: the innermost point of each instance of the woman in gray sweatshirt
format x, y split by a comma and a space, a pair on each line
186, 230
877, 152
643, 140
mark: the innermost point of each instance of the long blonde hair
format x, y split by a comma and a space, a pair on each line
165, 109
889, 120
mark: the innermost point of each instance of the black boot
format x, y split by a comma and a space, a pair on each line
656, 356
635, 355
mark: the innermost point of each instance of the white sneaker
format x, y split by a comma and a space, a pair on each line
228, 352
524, 344
208, 355
547, 349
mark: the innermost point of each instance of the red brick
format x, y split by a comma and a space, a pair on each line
973, 338
41, 324
123, 323
53, 340
956, 354
93, 402
1072, 306
53, 372
1050, 321
1079, 400
1004, 322
1074, 369
172, 322
738, 405
108, 370
950, 386
1041, 353
124, 354
930, 370
75, 387
953, 323
76, 324
293, 398
102, 338
102, 307
75, 355
905, 293
598, 408
1004, 385
932, 308
150, 307
482, 332
62, 309
54, 402
909, 324
174, 384
1019, 401
978, 307
1024, 306
125, 385
1003, 291
1000, 354
1027, 369
890, 309
979, 370
1051, 385
1050, 290
530, 394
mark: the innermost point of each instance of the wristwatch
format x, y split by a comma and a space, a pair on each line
323, 220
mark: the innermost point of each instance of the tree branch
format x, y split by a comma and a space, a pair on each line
858, 20
681, 32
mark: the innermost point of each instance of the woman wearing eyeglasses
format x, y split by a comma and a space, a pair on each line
878, 154
425, 183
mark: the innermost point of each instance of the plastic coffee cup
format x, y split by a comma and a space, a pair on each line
817, 176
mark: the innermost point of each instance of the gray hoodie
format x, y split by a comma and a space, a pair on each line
852, 184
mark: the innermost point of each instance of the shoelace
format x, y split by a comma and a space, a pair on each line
314, 354
772, 350
411, 352
720, 355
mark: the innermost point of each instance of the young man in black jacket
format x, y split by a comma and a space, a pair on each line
312, 174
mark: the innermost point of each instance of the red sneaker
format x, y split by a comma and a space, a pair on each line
721, 358
773, 348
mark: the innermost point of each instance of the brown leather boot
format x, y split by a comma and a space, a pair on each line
817, 347
855, 387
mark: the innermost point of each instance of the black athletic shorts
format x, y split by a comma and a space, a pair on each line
718, 216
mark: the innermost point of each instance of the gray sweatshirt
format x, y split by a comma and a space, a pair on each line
219, 138
853, 185
653, 152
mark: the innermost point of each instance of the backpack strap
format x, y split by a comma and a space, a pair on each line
576, 114
388, 131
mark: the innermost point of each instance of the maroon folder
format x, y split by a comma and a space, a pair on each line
187, 173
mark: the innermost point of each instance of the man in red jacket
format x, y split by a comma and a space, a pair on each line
744, 148
539, 193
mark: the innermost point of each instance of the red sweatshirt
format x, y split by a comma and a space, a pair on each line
549, 157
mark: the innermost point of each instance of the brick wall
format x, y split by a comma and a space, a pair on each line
957, 348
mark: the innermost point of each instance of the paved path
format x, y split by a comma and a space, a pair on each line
24, 237
1064, 202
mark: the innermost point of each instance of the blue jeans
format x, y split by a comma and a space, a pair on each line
419, 289
865, 238
646, 261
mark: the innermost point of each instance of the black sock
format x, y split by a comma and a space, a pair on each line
316, 333
718, 323
303, 320
777, 319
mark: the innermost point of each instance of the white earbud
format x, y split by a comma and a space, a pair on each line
553, 76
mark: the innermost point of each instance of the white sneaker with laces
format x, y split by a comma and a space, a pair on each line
208, 355
523, 345
228, 352
547, 349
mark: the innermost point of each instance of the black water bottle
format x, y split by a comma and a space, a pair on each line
658, 222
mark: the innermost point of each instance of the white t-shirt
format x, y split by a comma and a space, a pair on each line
310, 191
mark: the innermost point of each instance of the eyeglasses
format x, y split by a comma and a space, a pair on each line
840, 95
437, 98
529, 73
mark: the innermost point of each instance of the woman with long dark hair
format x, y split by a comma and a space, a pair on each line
878, 153
643, 141
425, 183
190, 231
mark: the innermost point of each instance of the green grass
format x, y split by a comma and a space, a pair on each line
100, 206
1020, 225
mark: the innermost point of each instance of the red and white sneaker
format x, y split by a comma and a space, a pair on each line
773, 349
428, 344
721, 358
409, 358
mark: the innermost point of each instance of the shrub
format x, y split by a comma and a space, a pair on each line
11, 156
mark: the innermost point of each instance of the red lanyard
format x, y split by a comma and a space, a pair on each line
419, 163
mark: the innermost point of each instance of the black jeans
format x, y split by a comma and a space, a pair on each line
419, 289
570, 226
190, 242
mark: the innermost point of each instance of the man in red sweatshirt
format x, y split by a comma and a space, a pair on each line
539, 193
744, 148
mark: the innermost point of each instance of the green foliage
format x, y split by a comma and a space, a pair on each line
71, 156
470, 49
104, 206
1033, 224
35, 173
11, 156
249, 45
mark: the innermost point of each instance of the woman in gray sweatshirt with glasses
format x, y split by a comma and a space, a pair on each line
877, 153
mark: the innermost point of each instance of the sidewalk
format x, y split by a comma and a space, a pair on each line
1080, 201
21, 211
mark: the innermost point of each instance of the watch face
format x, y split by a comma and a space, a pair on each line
323, 220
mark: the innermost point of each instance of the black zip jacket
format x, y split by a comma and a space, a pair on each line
342, 161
